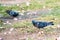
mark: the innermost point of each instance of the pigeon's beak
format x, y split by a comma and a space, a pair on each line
52, 24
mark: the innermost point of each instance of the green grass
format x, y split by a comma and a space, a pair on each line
35, 5
22, 24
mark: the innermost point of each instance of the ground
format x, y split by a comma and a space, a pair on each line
28, 33
17, 35
22, 29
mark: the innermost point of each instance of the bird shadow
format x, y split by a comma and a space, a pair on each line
6, 17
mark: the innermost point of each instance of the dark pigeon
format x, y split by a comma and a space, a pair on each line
12, 13
40, 24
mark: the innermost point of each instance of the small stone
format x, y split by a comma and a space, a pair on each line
28, 13
44, 7
28, 3
39, 32
9, 32
20, 18
21, 14
10, 23
23, 11
56, 18
4, 23
11, 29
49, 9
7, 22
17, 4
42, 32
58, 26
58, 38
35, 13
5, 33
1, 27
18, 11
15, 19
1, 38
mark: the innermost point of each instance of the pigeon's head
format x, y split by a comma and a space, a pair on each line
34, 22
51, 23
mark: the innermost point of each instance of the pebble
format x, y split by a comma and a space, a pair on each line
21, 14
28, 13
58, 38
11, 29
15, 19
58, 26
1, 27
50, 9
9, 32
10, 23
17, 4
40, 32
4, 23
1, 38
28, 3
44, 7
7, 22
5, 33
23, 11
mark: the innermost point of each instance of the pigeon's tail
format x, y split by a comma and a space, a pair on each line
15, 15
7, 11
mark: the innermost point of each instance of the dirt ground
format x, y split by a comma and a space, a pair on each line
39, 35
15, 34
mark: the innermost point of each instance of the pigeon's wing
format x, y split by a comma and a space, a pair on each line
11, 13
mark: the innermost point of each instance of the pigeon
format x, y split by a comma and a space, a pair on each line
12, 13
40, 24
